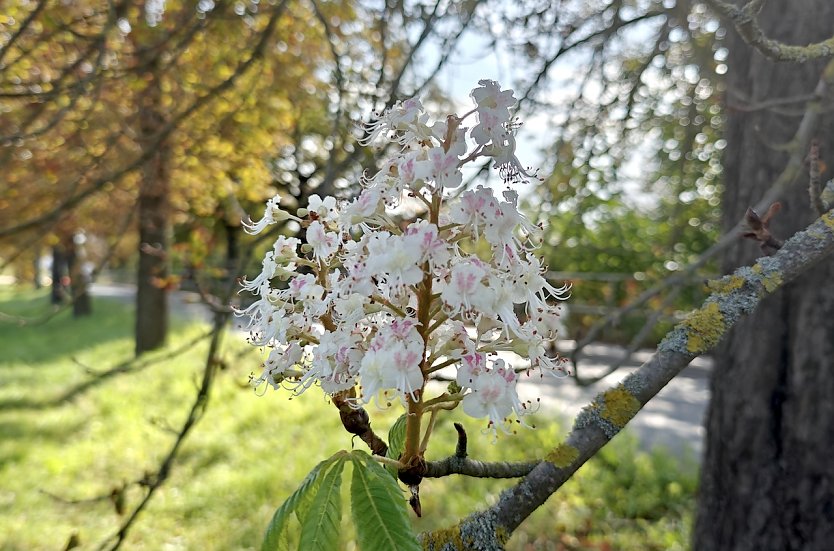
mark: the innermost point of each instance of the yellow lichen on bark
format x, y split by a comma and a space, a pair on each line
502, 535
770, 281
726, 285
439, 539
562, 455
619, 406
443, 536
705, 327
828, 219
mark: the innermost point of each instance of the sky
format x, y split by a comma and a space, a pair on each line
476, 59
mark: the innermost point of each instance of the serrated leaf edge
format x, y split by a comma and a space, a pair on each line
364, 467
278, 524
327, 490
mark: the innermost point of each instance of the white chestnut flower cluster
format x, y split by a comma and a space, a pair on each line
371, 306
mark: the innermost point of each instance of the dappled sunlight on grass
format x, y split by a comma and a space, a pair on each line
249, 453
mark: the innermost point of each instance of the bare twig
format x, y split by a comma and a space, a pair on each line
447, 48
429, 21
196, 412
153, 481
633, 346
130, 366
601, 34
771, 104
75, 501
339, 78
460, 449
815, 179
759, 228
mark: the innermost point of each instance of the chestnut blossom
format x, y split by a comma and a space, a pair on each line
493, 394
464, 285
272, 215
375, 307
324, 209
324, 243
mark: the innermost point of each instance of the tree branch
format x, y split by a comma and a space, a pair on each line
356, 421
198, 409
339, 77
744, 20
635, 343
459, 464
815, 178
792, 171
22, 29
768, 105
130, 366
616, 26
478, 469
213, 362
733, 297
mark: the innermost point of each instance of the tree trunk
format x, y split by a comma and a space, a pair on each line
767, 480
79, 281
59, 264
36, 268
151, 285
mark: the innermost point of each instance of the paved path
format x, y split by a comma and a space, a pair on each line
182, 303
673, 419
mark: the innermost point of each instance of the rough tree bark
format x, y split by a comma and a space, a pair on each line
151, 291
767, 480
82, 304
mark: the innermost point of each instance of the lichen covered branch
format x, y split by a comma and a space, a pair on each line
744, 20
732, 297
793, 168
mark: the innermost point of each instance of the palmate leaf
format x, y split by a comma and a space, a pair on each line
275, 538
396, 442
320, 526
378, 508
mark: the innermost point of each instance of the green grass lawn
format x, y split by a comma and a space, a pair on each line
249, 452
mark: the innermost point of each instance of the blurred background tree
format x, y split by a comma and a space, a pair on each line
185, 112
634, 166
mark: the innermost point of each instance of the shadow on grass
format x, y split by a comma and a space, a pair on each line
57, 432
25, 343
131, 365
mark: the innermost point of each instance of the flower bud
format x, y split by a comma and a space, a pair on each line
279, 215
